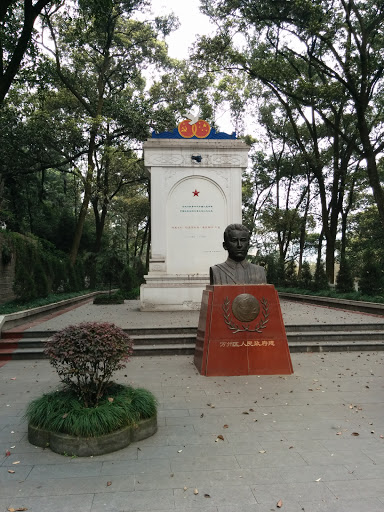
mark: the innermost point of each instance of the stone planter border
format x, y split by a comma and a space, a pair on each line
66, 444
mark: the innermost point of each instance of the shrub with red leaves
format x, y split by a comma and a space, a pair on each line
86, 355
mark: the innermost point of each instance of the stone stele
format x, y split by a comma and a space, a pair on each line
195, 194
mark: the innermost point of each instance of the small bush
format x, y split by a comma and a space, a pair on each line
291, 274
305, 279
320, 278
61, 411
113, 298
86, 355
372, 277
344, 279
133, 294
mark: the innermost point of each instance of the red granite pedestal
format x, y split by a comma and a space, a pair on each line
241, 332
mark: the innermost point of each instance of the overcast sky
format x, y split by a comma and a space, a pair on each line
192, 23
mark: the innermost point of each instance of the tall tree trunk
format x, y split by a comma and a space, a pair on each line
87, 197
372, 170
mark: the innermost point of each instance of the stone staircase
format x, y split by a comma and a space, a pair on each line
16, 344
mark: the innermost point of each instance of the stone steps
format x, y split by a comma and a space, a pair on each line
173, 341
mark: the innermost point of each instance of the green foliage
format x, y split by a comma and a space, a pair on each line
344, 279
111, 298
331, 293
109, 266
6, 254
372, 276
128, 279
40, 269
133, 294
86, 355
62, 411
272, 270
305, 278
131, 278
291, 273
365, 237
320, 281
18, 305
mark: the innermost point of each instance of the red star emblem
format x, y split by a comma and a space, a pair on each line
195, 193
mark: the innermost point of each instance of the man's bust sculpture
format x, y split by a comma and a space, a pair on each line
236, 270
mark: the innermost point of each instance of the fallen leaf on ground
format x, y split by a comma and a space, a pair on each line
16, 462
11, 470
279, 504
64, 415
195, 491
206, 496
185, 488
20, 509
220, 437
318, 480
225, 426
245, 412
338, 433
13, 378
262, 451
110, 399
7, 453
355, 434
179, 451
109, 483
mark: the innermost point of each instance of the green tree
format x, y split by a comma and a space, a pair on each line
372, 275
305, 278
17, 20
318, 53
100, 60
344, 279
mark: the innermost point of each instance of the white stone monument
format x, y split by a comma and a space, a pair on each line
195, 194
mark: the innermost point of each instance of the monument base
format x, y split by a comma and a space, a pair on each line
166, 292
241, 332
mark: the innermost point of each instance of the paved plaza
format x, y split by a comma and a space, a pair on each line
312, 441
128, 315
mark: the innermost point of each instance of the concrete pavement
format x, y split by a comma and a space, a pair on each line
313, 440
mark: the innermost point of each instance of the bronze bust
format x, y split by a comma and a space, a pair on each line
236, 270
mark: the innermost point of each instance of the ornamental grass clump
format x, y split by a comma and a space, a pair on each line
61, 411
85, 357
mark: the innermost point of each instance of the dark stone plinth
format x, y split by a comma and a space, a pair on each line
238, 335
87, 446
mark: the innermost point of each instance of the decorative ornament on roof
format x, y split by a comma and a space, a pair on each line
193, 128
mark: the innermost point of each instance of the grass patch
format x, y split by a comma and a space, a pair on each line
335, 295
19, 305
62, 411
